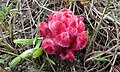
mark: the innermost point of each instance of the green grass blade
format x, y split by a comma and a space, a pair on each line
37, 53
50, 61
15, 61
102, 59
24, 41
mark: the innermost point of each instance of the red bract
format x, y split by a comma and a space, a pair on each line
64, 34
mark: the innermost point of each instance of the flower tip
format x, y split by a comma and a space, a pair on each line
81, 18
65, 10
69, 56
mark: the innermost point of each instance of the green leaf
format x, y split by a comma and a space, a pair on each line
37, 53
2, 61
24, 41
15, 61
3, 8
27, 53
2, 15
50, 61
10, 7
35, 39
102, 59
38, 44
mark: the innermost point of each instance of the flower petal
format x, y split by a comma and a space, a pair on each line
48, 46
81, 40
42, 28
81, 18
72, 31
56, 27
58, 49
51, 16
74, 47
55, 16
73, 24
64, 10
62, 39
81, 27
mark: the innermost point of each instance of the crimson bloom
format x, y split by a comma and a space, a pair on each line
64, 34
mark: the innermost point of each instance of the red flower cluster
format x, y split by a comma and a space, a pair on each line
64, 34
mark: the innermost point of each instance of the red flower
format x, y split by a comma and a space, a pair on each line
64, 34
